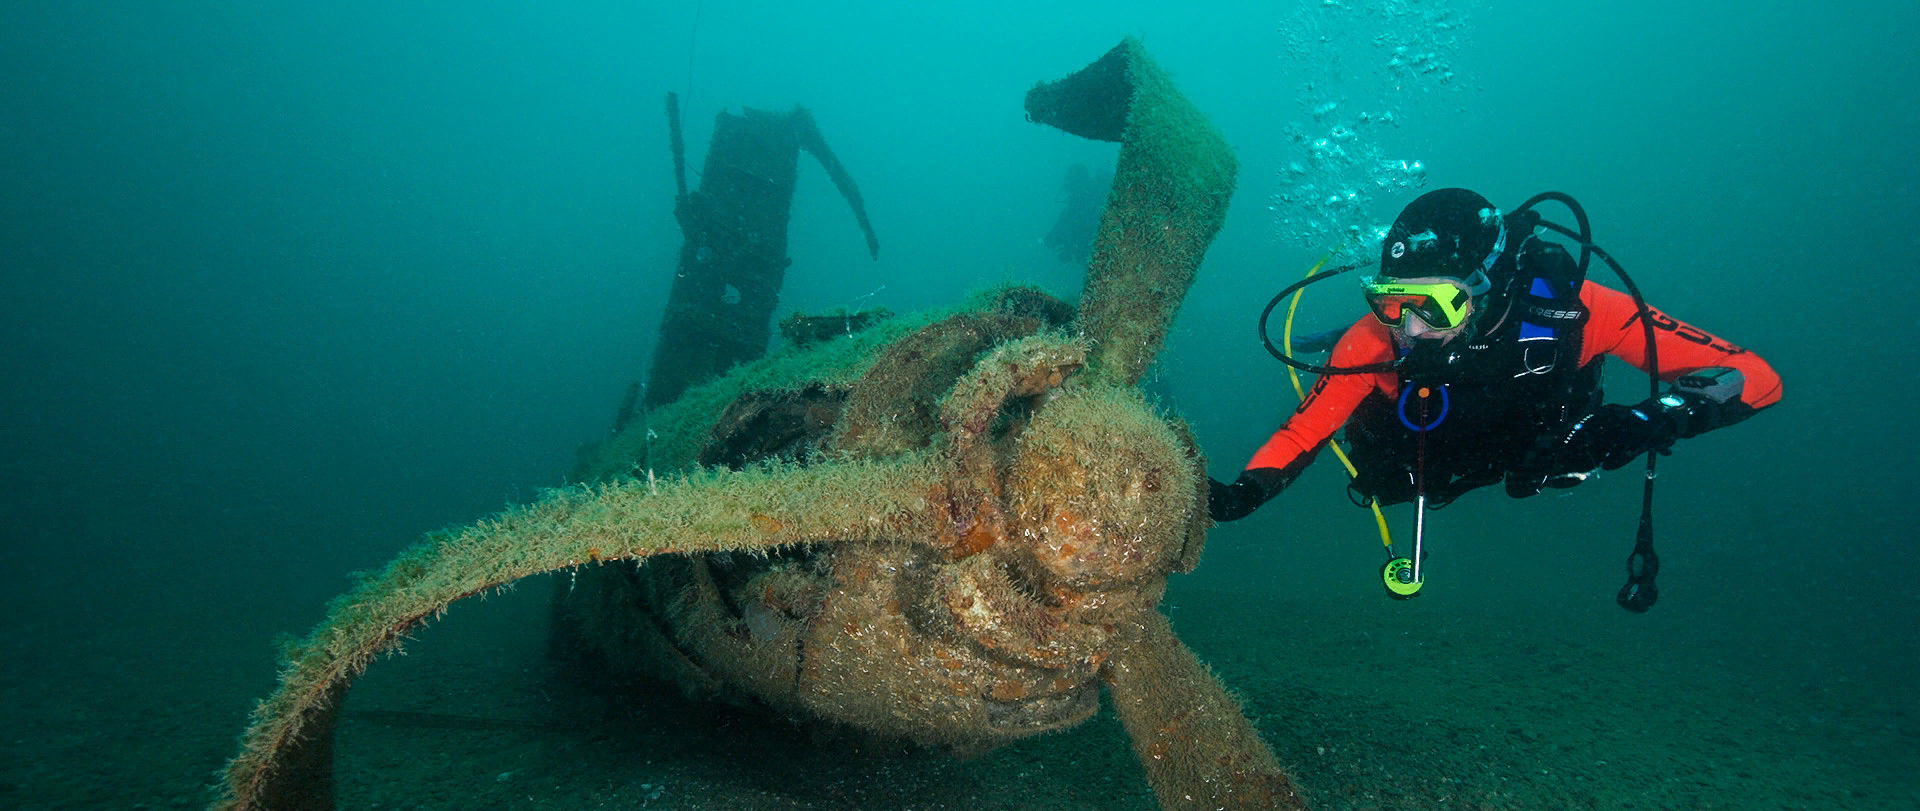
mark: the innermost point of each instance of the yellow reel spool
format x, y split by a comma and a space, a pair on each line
1397, 575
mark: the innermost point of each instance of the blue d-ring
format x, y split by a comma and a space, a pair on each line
1408, 389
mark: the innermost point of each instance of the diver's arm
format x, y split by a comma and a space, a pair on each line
1256, 486
1614, 329
1288, 452
1715, 384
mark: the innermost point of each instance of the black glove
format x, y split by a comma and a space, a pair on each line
1232, 502
1614, 435
1606, 439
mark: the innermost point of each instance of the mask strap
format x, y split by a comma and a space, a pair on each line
1479, 283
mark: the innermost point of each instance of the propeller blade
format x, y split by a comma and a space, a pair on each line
1196, 744
1170, 190
286, 757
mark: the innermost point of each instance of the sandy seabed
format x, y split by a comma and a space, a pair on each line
1374, 705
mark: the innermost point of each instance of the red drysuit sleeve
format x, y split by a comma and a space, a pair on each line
1614, 329
1333, 397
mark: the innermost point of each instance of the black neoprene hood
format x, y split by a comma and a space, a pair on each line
1446, 232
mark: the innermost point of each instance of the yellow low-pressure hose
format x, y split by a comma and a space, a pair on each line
1286, 344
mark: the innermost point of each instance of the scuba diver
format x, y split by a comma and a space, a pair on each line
1479, 364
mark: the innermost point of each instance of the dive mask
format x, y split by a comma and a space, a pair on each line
1442, 305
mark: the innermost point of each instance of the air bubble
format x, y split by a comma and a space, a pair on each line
1365, 65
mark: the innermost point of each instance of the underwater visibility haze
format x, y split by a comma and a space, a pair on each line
288, 287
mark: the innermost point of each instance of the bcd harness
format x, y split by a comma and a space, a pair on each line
1486, 401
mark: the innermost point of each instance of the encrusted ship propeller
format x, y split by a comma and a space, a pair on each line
958, 525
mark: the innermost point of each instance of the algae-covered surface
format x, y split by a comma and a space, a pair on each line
1371, 704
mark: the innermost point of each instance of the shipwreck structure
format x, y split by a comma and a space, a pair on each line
960, 523
733, 259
